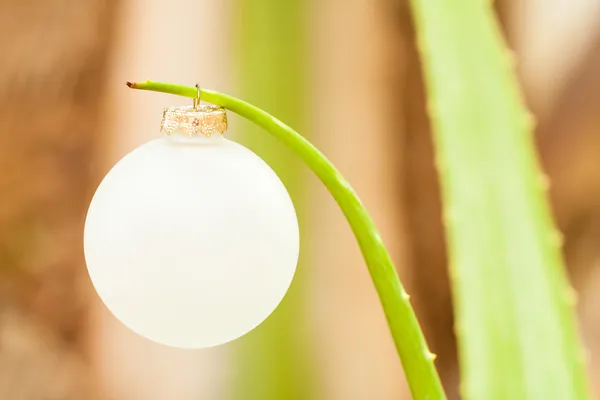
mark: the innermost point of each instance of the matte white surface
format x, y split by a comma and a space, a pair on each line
191, 242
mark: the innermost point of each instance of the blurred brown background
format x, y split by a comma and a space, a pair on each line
66, 117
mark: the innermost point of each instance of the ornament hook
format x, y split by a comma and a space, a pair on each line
196, 101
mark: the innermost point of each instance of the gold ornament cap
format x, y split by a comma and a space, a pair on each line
197, 120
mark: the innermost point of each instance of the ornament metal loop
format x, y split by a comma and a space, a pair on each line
196, 101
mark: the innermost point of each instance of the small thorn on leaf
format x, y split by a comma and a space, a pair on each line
512, 58
530, 120
557, 238
432, 109
586, 355
544, 181
130, 84
571, 296
450, 216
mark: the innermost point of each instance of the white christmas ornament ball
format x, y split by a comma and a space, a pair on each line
191, 242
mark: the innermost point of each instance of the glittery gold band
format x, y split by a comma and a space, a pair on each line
205, 120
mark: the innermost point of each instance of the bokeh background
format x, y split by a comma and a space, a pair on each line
346, 74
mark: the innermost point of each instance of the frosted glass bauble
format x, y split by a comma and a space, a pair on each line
191, 242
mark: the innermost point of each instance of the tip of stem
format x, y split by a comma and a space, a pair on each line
130, 84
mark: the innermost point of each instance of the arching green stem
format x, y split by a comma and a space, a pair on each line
410, 343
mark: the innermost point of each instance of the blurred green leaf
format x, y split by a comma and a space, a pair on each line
272, 362
514, 307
